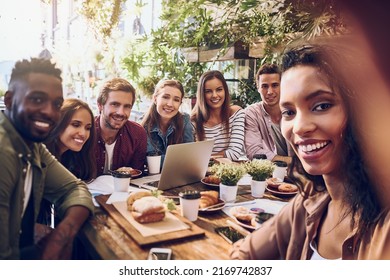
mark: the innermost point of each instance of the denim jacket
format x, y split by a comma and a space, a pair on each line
157, 141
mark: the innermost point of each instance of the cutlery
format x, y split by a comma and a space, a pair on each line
217, 205
229, 203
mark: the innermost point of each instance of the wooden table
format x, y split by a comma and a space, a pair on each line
103, 238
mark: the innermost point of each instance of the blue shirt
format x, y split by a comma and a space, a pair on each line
158, 141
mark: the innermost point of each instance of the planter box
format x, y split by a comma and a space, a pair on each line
207, 54
256, 49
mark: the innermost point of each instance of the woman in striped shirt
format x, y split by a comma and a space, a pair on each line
214, 118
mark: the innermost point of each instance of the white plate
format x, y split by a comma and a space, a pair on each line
135, 173
214, 209
283, 194
246, 225
210, 184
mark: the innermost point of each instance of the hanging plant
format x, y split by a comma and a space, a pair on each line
102, 16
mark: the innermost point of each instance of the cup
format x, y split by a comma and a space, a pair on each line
154, 162
280, 170
121, 181
227, 193
257, 188
259, 156
189, 204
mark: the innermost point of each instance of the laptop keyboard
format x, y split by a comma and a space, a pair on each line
153, 184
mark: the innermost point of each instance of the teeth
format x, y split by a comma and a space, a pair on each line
312, 147
79, 141
41, 124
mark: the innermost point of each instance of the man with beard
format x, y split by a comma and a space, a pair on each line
120, 142
29, 172
262, 130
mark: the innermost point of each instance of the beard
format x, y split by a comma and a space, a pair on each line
108, 124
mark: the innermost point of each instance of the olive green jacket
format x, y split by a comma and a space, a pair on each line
50, 180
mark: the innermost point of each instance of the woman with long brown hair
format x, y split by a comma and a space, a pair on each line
215, 118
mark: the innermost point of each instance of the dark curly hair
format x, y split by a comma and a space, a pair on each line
359, 191
36, 65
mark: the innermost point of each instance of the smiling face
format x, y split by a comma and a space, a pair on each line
116, 111
313, 119
168, 100
269, 88
34, 105
214, 93
77, 132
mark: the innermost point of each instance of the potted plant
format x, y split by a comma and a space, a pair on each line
260, 170
229, 174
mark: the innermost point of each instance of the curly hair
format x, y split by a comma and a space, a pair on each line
36, 65
359, 191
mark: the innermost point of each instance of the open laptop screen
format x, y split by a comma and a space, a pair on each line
184, 164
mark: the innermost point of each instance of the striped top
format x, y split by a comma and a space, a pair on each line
233, 142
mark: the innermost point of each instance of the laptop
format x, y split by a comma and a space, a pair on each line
184, 164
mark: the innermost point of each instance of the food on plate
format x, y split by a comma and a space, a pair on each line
285, 187
148, 209
208, 198
273, 182
243, 215
136, 195
212, 179
127, 170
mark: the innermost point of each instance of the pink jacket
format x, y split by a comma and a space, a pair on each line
288, 235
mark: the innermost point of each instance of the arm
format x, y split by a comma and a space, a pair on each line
270, 241
188, 130
257, 137
236, 142
139, 156
10, 194
74, 205
58, 244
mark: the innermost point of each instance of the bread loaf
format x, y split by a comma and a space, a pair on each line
208, 198
148, 209
285, 187
136, 195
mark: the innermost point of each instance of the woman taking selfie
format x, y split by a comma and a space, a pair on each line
337, 215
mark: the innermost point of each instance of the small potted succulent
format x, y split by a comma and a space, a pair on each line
260, 170
229, 174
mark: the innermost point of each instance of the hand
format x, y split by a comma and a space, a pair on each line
56, 246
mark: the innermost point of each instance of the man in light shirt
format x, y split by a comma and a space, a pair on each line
262, 119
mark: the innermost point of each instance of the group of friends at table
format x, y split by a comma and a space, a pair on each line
314, 114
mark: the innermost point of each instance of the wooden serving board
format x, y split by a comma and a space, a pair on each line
192, 231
